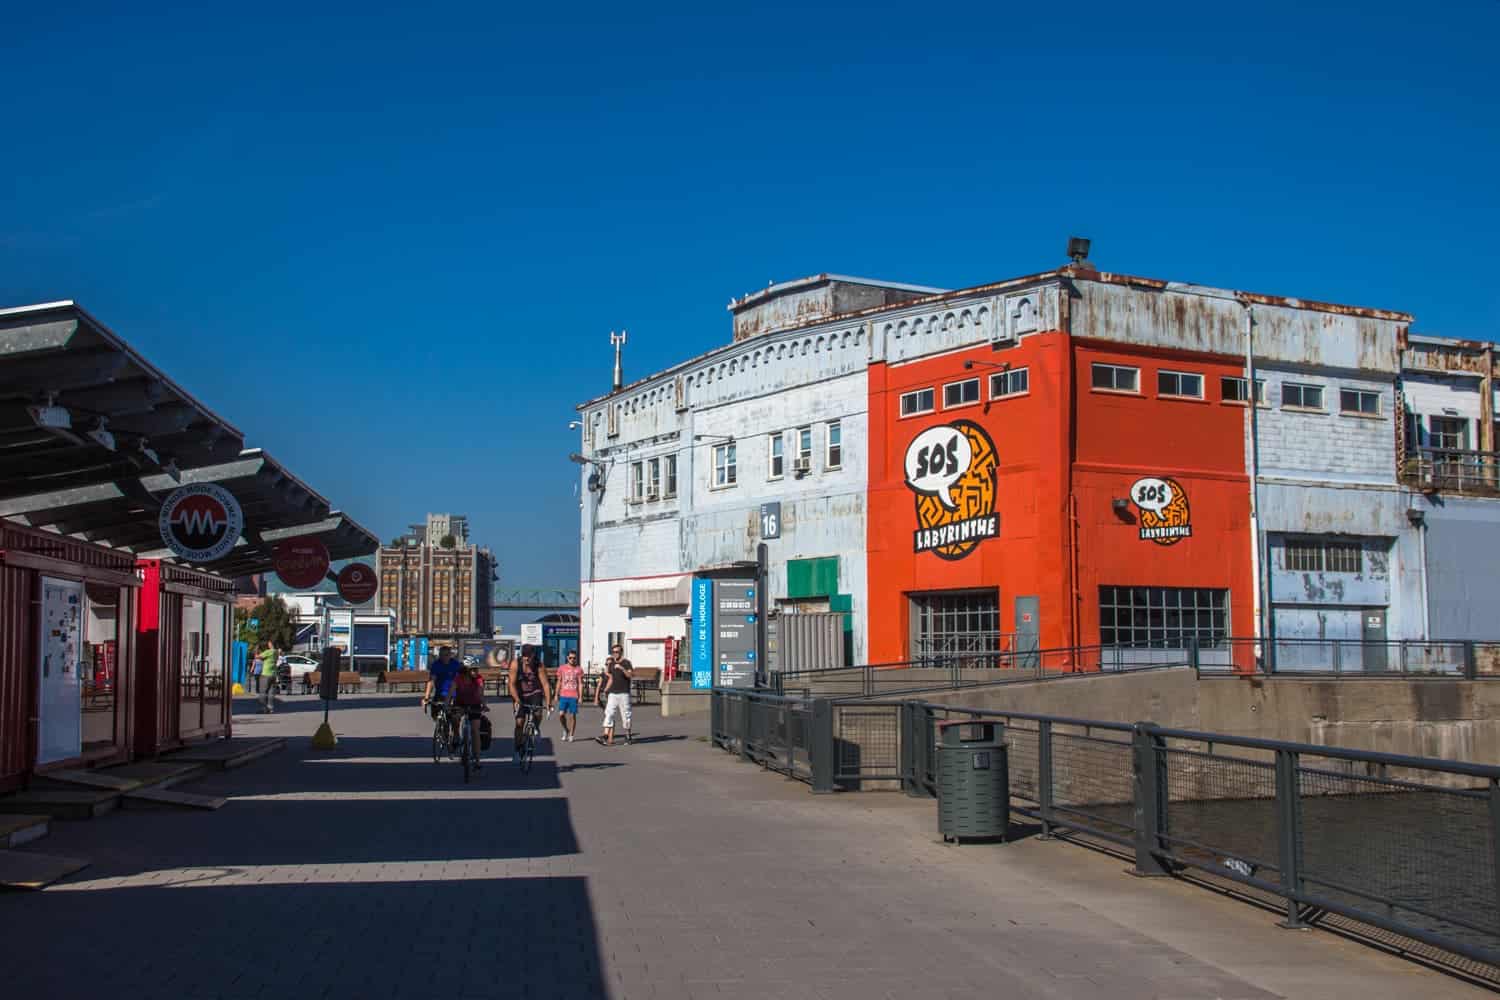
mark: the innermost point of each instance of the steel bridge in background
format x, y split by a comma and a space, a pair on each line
535, 599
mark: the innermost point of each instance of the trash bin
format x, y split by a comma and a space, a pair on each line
973, 781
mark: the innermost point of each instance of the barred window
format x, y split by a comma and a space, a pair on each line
1316, 555
1162, 617
1304, 556
955, 623
1344, 557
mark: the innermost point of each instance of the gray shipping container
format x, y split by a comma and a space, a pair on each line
807, 641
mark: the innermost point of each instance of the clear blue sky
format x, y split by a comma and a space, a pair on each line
389, 245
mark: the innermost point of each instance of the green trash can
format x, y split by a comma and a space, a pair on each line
973, 781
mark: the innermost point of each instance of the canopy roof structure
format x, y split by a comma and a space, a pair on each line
93, 439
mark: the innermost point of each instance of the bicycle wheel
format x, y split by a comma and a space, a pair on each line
439, 739
528, 745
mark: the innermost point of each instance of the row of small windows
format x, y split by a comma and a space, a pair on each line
653, 479
1189, 385
1011, 382
726, 456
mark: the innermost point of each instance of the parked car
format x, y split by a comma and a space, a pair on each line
295, 665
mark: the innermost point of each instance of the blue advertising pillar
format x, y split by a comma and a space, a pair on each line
703, 633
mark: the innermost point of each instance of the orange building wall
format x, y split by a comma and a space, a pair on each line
1063, 450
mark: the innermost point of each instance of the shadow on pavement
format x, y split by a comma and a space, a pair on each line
428, 939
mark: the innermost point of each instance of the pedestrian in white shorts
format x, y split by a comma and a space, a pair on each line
614, 694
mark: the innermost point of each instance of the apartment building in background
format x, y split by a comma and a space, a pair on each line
441, 592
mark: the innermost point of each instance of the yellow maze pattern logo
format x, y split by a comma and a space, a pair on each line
951, 469
1165, 517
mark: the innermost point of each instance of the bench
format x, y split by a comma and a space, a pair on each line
349, 681
646, 679
388, 679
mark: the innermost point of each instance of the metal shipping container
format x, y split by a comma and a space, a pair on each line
185, 631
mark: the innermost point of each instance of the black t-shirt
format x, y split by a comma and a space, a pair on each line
618, 682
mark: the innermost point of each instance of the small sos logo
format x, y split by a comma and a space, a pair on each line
1165, 516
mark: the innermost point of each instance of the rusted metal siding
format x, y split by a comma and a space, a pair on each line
45, 543
810, 641
17, 630
1190, 318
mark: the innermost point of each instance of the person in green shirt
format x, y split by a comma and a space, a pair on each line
268, 657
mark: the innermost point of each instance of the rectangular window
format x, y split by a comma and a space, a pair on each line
1116, 378
804, 448
653, 479
1345, 557
1015, 382
960, 393
726, 473
1448, 433
913, 403
1303, 556
1181, 385
637, 481
1163, 617
953, 625
1359, 401
776, 468
1297, 396
670, 486
835, 444
1232, 390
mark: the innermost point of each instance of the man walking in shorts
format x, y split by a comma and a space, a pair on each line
569, 689
614, 694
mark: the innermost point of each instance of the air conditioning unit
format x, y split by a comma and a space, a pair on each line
801, 466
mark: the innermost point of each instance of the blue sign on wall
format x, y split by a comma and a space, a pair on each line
703, 633
422, 660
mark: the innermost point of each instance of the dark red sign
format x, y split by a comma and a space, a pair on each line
301, 562
357, 583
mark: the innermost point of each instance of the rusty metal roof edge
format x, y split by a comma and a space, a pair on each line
124, 347
1254, 298
752, 298
1438, 340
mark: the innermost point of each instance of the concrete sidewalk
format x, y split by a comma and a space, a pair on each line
663, 869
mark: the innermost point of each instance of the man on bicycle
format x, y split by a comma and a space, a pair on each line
441, 673
530, 690
468, 699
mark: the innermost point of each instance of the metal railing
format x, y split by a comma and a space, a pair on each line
1409, 658
1405, 844
1453, 469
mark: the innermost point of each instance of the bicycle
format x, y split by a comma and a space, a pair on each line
468, 740
531, 732
442, 733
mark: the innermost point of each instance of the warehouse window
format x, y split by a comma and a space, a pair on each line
955, 624
637, 481
913, 403
1162, 617
1116, 378
1359, 402
1233, 390
1316, 555
960, 393
1015, 382
670, 485
1179, 385
835, 445
1297, 396
1450, 433
653, 479
777, 465
726, 472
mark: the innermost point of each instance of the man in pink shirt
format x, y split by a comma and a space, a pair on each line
569, 690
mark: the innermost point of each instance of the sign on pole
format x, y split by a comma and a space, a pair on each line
770, 520
357, 583
531, 635
703, 634
300, 562
200, 522
734, 633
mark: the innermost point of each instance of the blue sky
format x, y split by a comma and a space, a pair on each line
390, 244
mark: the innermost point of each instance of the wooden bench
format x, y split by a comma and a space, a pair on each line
349, 681
417, 679
646, 679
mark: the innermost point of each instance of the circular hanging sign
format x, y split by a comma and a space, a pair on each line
201, 522
301, 562
357, 583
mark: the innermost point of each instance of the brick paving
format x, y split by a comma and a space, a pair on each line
665, 869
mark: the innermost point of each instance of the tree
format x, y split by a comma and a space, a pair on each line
448, 541
273, 621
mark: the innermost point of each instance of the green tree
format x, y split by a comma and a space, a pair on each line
448, 541
273, 621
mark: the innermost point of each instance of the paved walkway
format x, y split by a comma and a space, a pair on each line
666, 869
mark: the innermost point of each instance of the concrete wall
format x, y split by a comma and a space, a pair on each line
1452, 720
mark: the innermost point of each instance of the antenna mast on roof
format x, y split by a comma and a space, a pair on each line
618, 340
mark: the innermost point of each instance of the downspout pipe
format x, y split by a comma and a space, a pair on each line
1258, 572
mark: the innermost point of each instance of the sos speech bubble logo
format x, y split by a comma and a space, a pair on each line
1165, 516
951, 469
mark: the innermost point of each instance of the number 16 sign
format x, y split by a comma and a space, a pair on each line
770, 520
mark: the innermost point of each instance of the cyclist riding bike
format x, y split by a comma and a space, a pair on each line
468, 700
530, 690
441, 673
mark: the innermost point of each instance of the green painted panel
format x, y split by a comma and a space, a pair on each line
812, 577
